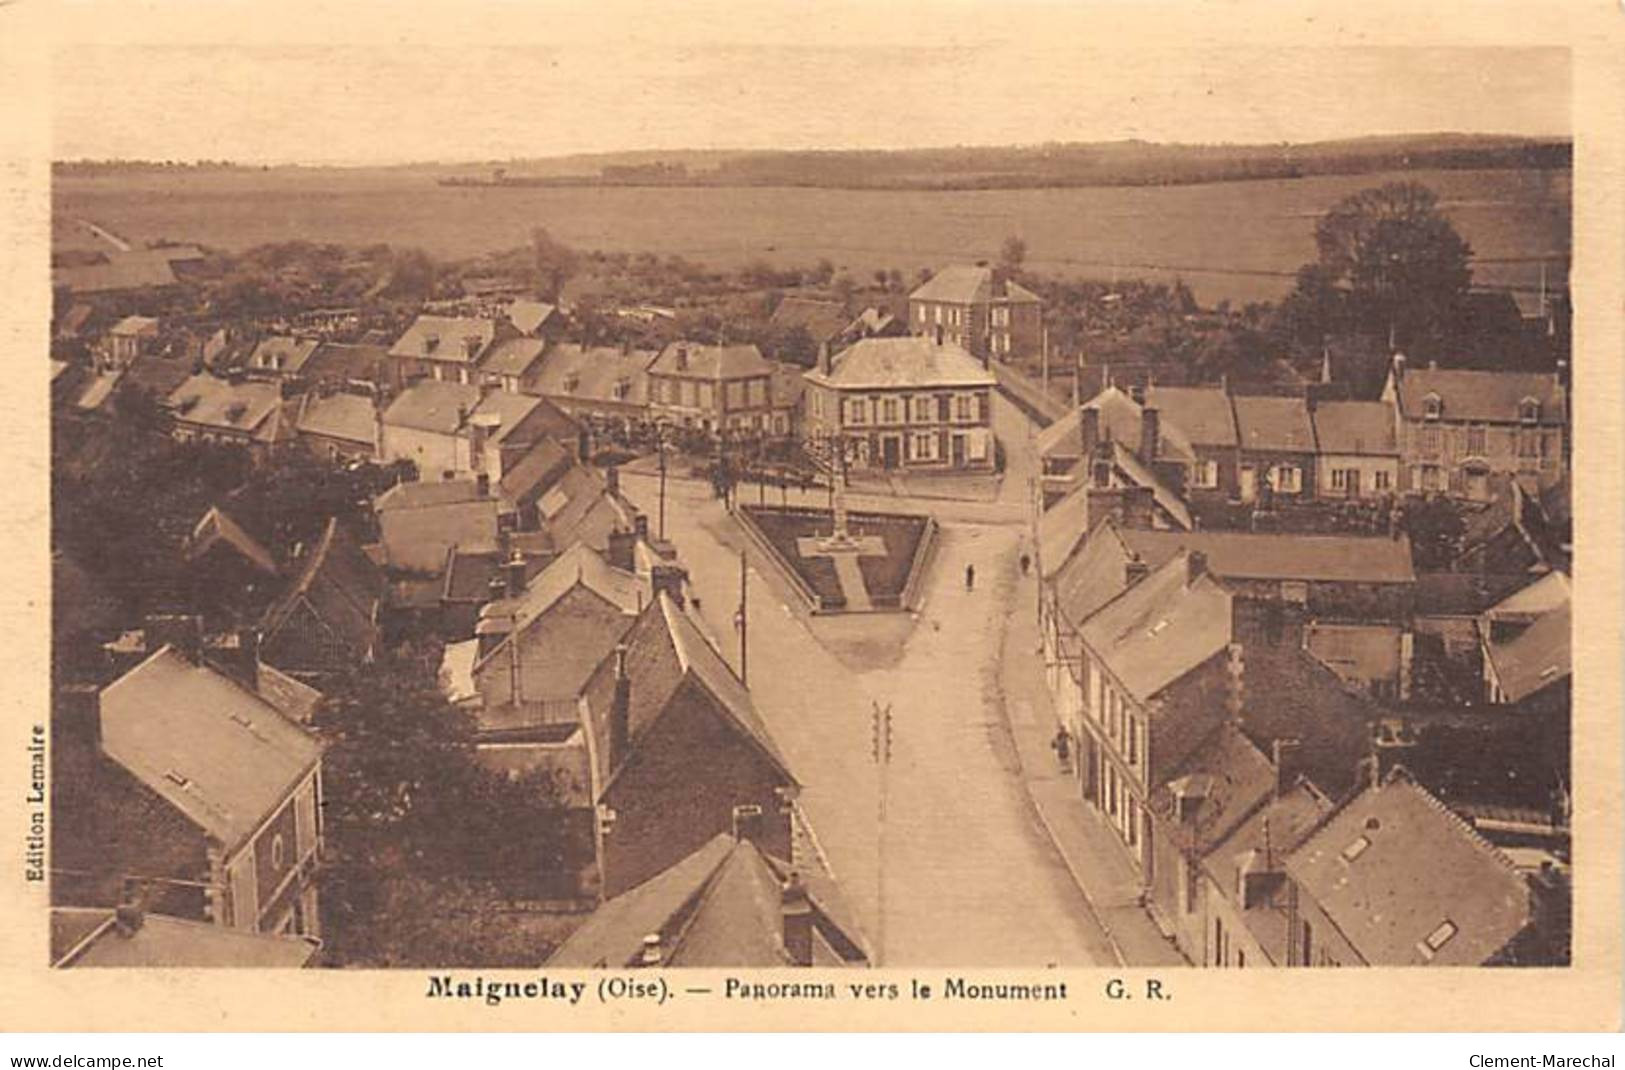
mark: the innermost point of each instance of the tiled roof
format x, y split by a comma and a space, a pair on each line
599, 373
1119, 421
527, 479
579, 566
351, 417
1250, 556
445, 338
219, 753
1262, 842
1272, 423
964, 284
1201, 413
443, 408
89, 937
720, 907
342, 587
220, 403
421, 522
1224, 779
216, 527
822, 320
1479, 396
1409, 883
529, 316
1536, 657
716, 363
911, 362
1161, 628
1062, 529
1094, 576
513, 356
281, 353
1355, 427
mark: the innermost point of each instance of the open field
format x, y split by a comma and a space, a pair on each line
1239, 241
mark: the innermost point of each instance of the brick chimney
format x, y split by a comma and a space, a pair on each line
513, 575
1150, 434
620, 551
612, 479
1195, 566
797, 913
1235, 693
620, 711
183, 631
1286, 756
824, 364
640, 527
1135, 570
583, 446
1088, 429
682, 358
669, 580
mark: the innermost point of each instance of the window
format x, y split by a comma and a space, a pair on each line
1380, 480
888, 411
1340, 479
1218, 942
921, 310
1429, 440
925, 447
855, 410
1133, 814
1477, 441
922, 410
1528, 444
962, 409
1529, 411
1356, 849
1432, 407
1436, 939
938, 309
1191, 883
1001, 317
1430, 477
1204, 474
279, 851
1288, 478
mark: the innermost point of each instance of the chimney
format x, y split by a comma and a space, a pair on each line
640, 527
797, 913
1150, 434
1257, 875
128, 918
620, 710
999, 281
76, 715
462, 415
682, 358
651, 956
1285, 755
823, 358
183, 631
612, 479
1399, 366
620, 551
1089, 429
1235, 692
241, 658
1196, 566
1135, 570
513, 575
1391, 740
482, 484
583, 446
668, 579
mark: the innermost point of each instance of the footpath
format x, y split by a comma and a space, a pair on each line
1088, 847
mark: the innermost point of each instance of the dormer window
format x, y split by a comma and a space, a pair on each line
1432, 407
1529, 411
1434, 942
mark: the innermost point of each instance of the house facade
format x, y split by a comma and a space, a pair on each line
235, 411
909, 403
716, 389
981, 309
1357, 449
1458, 428
1276, 450
447, 349
450, 430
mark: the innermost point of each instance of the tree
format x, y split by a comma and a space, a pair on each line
554, 263
1435, 528
1400, 264
1013, 254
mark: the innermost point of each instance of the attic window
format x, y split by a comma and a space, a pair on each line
237, 411
1529, 411
1435, 941
175, 778
1156, 629
1432, 407
189, 403
242, 720
572, 383
1355, 849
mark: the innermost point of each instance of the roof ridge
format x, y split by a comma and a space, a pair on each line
1401, 776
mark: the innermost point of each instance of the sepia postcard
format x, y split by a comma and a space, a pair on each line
954, 516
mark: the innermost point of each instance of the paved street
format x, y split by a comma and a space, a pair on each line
971, 877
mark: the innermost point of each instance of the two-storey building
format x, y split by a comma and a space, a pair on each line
716, 388
981, 309
1357, 451
448, 349
903, 403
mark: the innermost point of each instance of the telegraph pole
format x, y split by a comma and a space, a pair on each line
743, 619
660, 442
881, 751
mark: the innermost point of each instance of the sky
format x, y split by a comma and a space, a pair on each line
495, 88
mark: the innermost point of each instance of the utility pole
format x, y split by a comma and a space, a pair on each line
660, 443
881, 751
742, 620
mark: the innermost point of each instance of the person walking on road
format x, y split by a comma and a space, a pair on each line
970, 577
1026, 563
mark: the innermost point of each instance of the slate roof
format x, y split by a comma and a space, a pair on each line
570, 370
527, 479
1274, 424
1161, 628
1062, 529
88, 937
1464, 594
217, 752
359, 363
445, 338
351, 417
1362, 428
1480, 396
665, 648
222, 404
964, 284
1094, 576
1119, 421
824, 321
579, 566
135, 269
1270, 556
903, 363
1141, 475
1201, 413
1549, 592
157, 374
720, 907
513, 356
1536, 657
1262, 841
216, 527
715, 363
1395, 868
284, 354
579, 508
421, 522
1228, 775
529, 316
342, 586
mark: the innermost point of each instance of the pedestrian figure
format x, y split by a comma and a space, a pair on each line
1026, 563
970, 577
1062, 745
